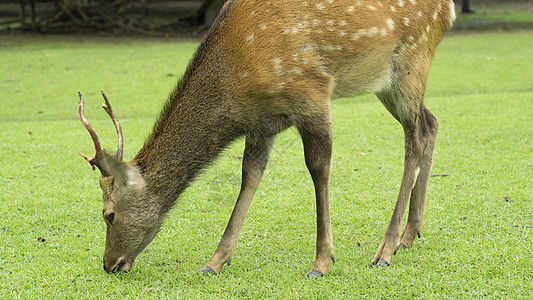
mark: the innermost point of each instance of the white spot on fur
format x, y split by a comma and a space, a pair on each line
250, 38
423, 37
262, 26
383, 31
419, 14
305, 3
451, 16
319, 6
278, 69
412, 2
305, 48
302, 25
350, 8
296, 57
373, 31
330, 23
243, 74
393, 9
390, 24
342, 33
355, 36
427, 28
371, 7
435, 14
332, 47
315, 22
342, 23
296, 71
400, 3
406, 21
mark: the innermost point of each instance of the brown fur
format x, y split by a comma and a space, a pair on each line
265, 66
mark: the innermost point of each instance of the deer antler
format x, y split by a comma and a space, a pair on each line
120, 140
96, 160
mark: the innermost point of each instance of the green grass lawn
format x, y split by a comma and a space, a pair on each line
477, 240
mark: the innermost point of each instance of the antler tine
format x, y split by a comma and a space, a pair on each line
120, 140
94, 136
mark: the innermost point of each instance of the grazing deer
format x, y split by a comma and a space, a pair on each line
262, 67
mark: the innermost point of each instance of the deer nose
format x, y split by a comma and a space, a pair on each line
107, 267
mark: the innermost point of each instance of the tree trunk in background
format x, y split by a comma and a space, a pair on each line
70, 3
210, 10
466, 7
22, 10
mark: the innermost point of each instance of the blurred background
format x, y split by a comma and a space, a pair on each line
191, 18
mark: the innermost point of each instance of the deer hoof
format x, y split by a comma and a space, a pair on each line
314, 274
400, 246
380, 263
206, 271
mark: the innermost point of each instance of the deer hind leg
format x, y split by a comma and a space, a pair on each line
417, 202
420, 129
316, 137
255, 158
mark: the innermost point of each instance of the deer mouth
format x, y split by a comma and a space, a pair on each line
121, 265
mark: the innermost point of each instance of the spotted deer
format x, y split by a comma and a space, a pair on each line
263, 67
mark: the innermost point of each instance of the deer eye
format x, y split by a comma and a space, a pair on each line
110, 218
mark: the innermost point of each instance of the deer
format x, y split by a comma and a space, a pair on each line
262, 67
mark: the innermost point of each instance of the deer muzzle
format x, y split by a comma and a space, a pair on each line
118, 265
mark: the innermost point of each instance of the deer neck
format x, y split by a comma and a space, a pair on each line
192, 130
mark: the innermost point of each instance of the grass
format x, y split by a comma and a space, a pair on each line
477, 239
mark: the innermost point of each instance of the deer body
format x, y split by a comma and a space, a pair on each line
265, 66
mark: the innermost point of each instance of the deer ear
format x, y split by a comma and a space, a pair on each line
122, 173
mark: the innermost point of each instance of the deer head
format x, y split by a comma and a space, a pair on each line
131, 220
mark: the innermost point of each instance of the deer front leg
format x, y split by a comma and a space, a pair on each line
255, 158
317, 148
